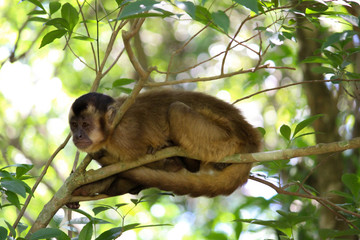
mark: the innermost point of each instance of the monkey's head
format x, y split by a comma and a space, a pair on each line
89, 120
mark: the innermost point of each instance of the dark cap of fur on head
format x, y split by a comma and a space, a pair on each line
98, 100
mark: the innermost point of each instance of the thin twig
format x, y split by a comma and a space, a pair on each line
39, 179
230, 43
294, 84
88, 33
320, 200
204, 79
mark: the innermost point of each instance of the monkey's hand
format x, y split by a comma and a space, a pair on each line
73, 205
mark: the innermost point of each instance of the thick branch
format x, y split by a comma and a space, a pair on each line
237, 158
320, 148
78, 179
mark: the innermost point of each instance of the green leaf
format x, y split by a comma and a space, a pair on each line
13, 199
110, 234
336, 38
316, 59
197, 12
221, 20
23, 169
119, 205
335, 58
293, 218
70, 14
350, 19
98, 210
15, 186
11, 229
121, 2
135, 201
285, 131
137, 7
304, 134
125, 90
37, 12
332, 234
353, 75
59, 23
86, 232
21, 228
38, 19
279, 225
202, 15
83, 213
188, 7
122, 82
262, 131
349, 196
5, 174
317, 7
3, 233
137, 225
322, 70
288, 35
84, 38
46, 233
147, 14
37, 3
131, 226
352, 181
51, 36
292, 22
250, 4
260, 28
54, 7
305, 123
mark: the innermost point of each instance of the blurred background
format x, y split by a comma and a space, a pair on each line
38, 86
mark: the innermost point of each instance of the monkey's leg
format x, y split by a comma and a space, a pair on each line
90, 189
205, 135
94, 188
122, 186
207, 182
173, 164
112, 186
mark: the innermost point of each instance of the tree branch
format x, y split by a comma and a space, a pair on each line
107, 171
323, 201
220, 76
78, 178
294, 84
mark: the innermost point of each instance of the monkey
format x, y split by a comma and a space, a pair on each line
207, 128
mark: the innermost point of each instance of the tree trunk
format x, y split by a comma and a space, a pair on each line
321, 100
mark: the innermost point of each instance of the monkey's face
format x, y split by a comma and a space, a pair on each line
86, 131
88, 122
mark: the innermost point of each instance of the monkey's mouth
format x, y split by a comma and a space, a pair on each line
82, 145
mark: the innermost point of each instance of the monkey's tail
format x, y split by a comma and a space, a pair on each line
203, 183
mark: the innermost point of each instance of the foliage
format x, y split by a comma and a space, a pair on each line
78, 46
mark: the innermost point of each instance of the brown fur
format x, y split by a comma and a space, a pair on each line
207, 128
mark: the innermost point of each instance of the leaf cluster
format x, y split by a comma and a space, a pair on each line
13, 185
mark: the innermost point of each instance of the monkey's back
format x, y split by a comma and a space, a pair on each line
146, 123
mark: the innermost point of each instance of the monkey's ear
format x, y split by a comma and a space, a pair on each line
111, 113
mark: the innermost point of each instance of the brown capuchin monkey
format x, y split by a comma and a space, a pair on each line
205, 127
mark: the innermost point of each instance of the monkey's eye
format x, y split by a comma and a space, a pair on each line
73, 125
85, 125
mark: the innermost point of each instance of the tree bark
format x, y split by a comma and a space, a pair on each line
321, 100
